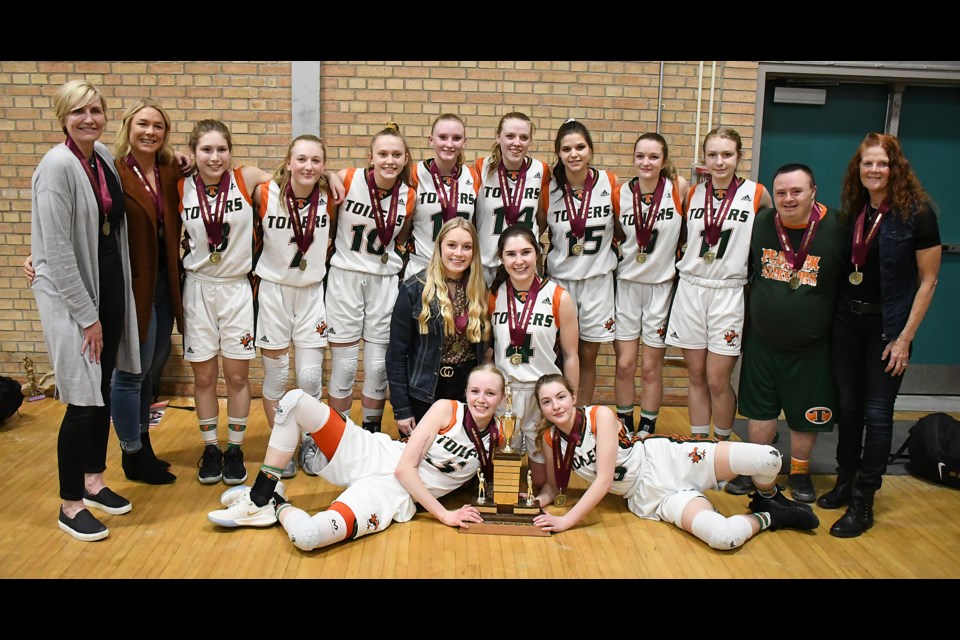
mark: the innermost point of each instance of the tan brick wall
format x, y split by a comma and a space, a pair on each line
616, 100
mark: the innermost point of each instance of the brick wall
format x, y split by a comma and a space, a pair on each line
616, 100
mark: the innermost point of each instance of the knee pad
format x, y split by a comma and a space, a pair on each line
303, 531
720, 532
761, 461
275, 374
343, 370
375, 371
310, 371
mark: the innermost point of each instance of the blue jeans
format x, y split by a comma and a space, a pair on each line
866, 396
132, 393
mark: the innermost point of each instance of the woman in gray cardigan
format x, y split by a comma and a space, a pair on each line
83, 293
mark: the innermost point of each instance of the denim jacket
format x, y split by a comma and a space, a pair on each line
413, 359
898, 271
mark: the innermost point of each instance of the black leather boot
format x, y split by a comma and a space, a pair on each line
145, 440
140, 467
857, 519
839, 496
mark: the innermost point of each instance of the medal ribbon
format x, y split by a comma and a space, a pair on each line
156, 195
213, 220
713, 219
518, 328
578, 218
511, 201
796, 260
384, 227
448, 203
861, 245
459, 321
303, 237
485, 455
645, 230
100, 190
563, 466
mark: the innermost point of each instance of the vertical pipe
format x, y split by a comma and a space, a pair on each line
660, 97
696, 140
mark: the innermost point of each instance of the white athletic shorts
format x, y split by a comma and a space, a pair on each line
704, 317
642, 311
219, 319
359, 305
675, 470
286, 313
596, 309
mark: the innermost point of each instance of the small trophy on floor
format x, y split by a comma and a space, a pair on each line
31, 390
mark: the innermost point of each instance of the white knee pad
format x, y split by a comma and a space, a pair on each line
310, 370
286, 428
275, 374
343, 370
761, 461
720, 532
307, 533
375, 371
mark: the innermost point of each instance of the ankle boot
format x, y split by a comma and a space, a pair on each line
140, 467
145, 440
857, 519
839, 496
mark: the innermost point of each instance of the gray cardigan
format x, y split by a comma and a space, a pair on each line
65, 227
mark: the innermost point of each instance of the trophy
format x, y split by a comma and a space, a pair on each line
31, 390
507, 513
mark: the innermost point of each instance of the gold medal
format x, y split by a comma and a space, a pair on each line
456, 347
516, 359
855, 278
106, 228
385, 258
560, 500
709, 257
794, 282
303, 264
577, 249
641, 257
215, 257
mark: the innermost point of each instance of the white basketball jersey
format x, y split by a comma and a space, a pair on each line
660, 263
452, 459
358, 244
629, 453
733, 249
428, 214
236, 248
597, 257
490, 212
280, 258
539, 351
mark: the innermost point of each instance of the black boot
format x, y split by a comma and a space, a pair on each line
839, 496
145, 439
140, 467
857, 519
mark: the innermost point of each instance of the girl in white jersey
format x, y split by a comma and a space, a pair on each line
531, 318
706, 321
385, 478
661, 477
582, 225
446, 189
296, 213
373, 222
218, 221
650, 212
512, 184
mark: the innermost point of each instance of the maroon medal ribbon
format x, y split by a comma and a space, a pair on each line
448, 202
213, 219
460, 321
303, 237
713, 218
796, 260
562, 466
511, 201
384, 227
485, 455
100, 189
645, 229
518, 327
861, 245
156, 194
578, 217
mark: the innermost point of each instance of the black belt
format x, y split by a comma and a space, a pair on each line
450, 370
864, 308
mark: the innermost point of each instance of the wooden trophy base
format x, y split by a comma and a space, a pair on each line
507, 520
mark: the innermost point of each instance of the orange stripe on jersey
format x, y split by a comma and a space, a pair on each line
477, 166
329, 435
493, 302
475, 174
612, 178
348, 517
414, 178
593, 419
676, 195
411, 201
548, 437
453, 418
348, 178
264, 198
556, 305
238, 176
758, 193
180, 191
616, 199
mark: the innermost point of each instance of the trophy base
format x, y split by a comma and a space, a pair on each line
507, 520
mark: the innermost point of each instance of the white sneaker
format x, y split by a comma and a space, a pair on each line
230, 495
307, 455
244, 513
